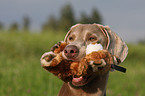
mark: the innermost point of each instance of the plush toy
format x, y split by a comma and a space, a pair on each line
97, 60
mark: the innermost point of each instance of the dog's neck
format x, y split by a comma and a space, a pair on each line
97, 87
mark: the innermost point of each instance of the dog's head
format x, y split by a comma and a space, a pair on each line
80, 35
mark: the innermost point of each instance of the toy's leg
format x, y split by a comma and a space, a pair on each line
96, 64
54, 57
50, 59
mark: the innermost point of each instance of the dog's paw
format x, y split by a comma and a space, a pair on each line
46, 59
57, 48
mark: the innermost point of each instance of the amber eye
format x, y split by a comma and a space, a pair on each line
92, 38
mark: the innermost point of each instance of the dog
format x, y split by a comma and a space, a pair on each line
77, 39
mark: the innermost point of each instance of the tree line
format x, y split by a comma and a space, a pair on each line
14, 26
64, 22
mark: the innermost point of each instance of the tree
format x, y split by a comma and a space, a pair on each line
141, 41
1, 26
26, 23
50, 24
84, 18
95, 17
14, 27
66, 17
44, 27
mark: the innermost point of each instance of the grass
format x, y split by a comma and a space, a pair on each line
22, 75
131, 83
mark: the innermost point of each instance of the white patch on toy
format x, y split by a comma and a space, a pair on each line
93, 47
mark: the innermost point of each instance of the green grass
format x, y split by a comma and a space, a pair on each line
132, 82
22, 75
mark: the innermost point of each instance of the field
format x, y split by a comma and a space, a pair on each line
22, 75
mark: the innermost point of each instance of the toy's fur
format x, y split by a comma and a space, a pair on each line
66, 69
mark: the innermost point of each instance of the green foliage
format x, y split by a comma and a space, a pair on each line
22, 75
66, 17
65, 20
132, 82
141, 41
84, 18
1, 26
93, 18
50, 24
14, 27
26, 23
20, 70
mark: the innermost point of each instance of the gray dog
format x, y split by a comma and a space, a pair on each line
78, 37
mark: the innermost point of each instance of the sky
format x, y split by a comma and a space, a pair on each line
125, 17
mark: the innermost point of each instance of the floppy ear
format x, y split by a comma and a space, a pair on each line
65, 39
116, 46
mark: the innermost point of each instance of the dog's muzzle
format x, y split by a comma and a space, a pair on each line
71, 51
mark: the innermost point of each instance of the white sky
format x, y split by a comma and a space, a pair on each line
125, 17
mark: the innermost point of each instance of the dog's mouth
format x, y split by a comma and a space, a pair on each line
82, 80
74, 53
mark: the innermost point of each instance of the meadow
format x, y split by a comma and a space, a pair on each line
22, 75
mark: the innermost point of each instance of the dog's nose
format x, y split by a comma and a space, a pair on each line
71, 51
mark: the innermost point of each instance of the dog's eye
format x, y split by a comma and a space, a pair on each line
92, 38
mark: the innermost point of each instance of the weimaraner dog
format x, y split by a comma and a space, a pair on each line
77, 38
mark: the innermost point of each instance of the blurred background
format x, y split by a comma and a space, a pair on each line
28, 28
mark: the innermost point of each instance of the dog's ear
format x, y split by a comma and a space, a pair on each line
116, 46
68, 33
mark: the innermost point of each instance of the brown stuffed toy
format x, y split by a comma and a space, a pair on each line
66, 69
